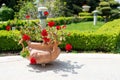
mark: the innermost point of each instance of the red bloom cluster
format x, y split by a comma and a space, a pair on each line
32, 60
8, 27
44, 32
27, 16
25, 37
51, 24
58, 27
46, 40
46, 13
68, 47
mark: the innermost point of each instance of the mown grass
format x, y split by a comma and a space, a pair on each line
84, 26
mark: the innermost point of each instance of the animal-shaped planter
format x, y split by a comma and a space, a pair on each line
43, 53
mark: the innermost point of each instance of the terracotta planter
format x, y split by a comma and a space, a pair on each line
43, 53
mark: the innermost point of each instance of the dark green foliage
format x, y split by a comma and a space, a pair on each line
6, 13
9, 3
114, 4
108, 10
72, 7
9, 41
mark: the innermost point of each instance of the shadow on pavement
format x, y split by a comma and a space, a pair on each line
57, 66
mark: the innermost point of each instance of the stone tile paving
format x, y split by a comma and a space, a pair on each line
65, 67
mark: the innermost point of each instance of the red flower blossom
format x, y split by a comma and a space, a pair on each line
44, 32
64, 26
32, 60
8, 27
58, 27
25, 37
46, 13
51, 24
27, 16
45, 39
68, 47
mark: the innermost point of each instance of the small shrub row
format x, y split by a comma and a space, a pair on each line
59, 21
88, 41
9, 41
85, 14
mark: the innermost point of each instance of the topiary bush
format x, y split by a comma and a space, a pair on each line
6, 13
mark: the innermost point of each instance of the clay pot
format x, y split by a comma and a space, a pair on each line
43, 53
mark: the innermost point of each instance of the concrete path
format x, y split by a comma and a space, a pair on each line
66, 67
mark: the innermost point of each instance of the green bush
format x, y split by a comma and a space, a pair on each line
59, 21
9, 40
114, 4
85, 14
104, 4
27, 8
6, 13
88, 41
107, 38
112, 27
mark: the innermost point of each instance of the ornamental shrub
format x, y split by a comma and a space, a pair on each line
9, 40
85, 14
59, 21
88, 41
6, 13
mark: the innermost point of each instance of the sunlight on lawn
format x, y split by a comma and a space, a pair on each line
84, 26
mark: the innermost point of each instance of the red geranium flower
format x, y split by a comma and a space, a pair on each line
64, 26
45, 39
8, 27
58, 27
46, 13
32, 60
44, 32
51, 24
25, 37
27, 16
68, 47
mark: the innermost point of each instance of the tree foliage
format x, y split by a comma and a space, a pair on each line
72, 7
108, 9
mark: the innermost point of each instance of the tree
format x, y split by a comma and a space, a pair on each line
9, 3
108, 9
6, 13
28, 8
73, 7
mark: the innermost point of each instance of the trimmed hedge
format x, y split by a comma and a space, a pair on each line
9, 41
59, 21
88, 41
107, 38
85, 14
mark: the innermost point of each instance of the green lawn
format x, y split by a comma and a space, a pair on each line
84, 26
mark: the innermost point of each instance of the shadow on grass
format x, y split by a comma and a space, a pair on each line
57, 67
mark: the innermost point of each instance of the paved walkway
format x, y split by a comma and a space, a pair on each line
66, 67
